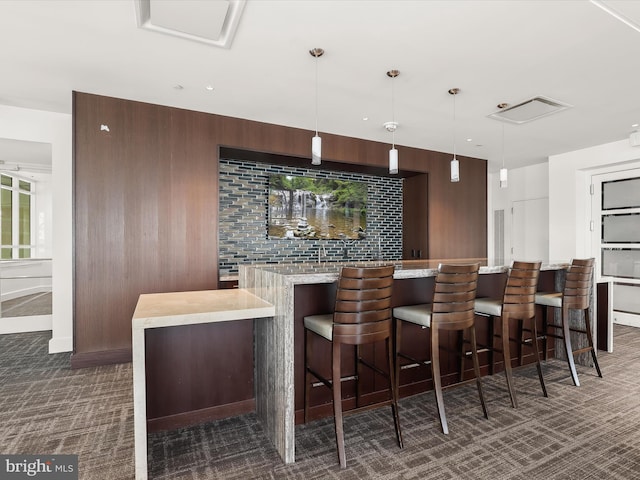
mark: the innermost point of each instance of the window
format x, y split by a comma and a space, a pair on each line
15, 217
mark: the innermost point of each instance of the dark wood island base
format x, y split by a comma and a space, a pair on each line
206, 372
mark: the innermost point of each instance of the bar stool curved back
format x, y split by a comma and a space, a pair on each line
451, 309
575, 296
518, 303
362, 315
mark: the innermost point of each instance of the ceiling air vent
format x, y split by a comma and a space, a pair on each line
529, 110
214, 23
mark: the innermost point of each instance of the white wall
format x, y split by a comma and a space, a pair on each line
565, 180
569, 199
528, 183
56, 129
43, 212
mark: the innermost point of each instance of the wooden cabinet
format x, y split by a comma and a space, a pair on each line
415, 216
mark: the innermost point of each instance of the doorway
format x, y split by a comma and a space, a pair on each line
615, 239
530, 229
25, 236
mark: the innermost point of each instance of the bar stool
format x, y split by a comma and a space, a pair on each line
518, 302
575, 296
362, 315
452, 310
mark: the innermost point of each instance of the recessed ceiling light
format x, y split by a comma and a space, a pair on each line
209, 88
365, 118
634, 125
469, 139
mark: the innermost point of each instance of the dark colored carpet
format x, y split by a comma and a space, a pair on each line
590, 432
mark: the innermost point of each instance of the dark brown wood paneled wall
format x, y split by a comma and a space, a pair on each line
415, 214
458, 211
146, 205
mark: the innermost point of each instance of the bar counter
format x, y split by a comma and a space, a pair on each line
168, 310
297, 290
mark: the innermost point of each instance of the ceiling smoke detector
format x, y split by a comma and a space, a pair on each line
529, 110
390, 126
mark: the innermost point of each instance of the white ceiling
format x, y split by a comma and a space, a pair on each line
494, 51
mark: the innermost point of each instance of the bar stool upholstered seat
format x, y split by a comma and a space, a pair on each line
451, 310
362, 315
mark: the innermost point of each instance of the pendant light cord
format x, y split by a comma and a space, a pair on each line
454, 125
503, 145
316, 95
393, 111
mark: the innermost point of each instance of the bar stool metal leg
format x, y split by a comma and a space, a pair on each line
437, 381
506, 354
337, 403
566, 334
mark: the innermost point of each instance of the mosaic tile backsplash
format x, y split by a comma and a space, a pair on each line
243, 239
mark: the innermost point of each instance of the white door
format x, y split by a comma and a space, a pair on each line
615, 239
530, 230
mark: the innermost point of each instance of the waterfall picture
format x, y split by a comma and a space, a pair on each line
319, 208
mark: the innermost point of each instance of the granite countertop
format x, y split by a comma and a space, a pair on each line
326, 272
187, 308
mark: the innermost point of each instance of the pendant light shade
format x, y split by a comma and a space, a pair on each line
392, 126
393, 153
455, 164
316, 141
393, 160
503, 178
316, 150
455, 170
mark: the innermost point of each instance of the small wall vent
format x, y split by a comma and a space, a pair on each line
529, 110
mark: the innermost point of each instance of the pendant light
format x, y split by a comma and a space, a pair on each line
392, 126
316, 141
503, 170
455, 165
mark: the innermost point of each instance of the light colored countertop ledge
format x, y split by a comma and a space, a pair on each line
187, 308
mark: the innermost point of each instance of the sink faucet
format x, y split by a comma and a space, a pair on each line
322, 252
345, 244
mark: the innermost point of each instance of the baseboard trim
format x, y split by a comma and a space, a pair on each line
60, 344
95, 359
195, 417
326, 409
